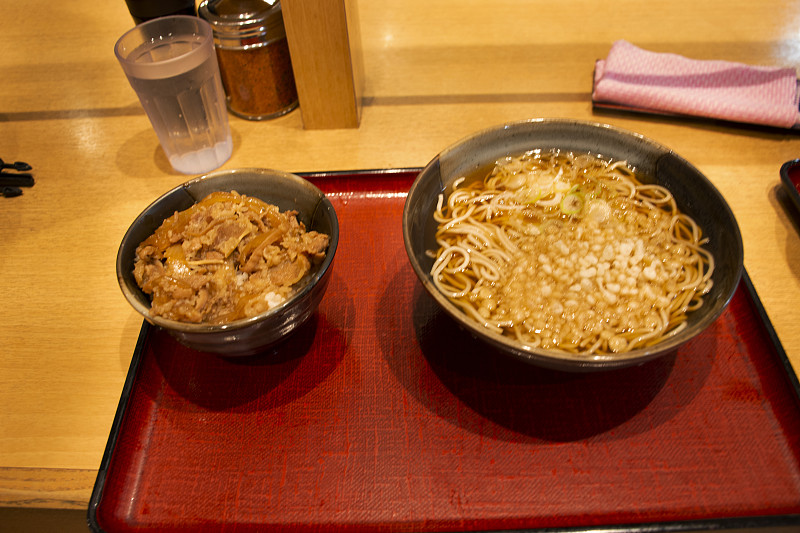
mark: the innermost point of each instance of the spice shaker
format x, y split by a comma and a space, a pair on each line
253, 56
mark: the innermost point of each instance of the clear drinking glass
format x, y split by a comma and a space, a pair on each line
171, 64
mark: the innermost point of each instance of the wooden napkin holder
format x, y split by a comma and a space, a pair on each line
325, 46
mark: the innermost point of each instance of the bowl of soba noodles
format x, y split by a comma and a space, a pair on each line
572, 245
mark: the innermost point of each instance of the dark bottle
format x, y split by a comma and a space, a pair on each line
144, 10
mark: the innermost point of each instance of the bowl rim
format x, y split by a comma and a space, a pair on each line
555, 358
195, 328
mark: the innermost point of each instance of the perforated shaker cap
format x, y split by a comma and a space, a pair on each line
238, 23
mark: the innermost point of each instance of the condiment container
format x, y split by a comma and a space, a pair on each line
253, 56
144, 10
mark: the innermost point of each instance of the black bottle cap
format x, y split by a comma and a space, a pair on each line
142, 10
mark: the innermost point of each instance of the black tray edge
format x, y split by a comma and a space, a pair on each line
788, 184
364, 172
791, 375
119, 416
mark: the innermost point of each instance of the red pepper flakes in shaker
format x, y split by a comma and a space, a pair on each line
253, 56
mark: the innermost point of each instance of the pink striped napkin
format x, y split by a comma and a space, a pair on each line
636, 79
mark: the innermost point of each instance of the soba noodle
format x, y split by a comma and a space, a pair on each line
570, 252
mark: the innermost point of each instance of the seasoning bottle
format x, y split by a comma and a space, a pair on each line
144, 10
253, 56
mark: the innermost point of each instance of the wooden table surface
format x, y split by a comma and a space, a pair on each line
434, 72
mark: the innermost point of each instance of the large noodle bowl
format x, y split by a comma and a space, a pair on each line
570, 252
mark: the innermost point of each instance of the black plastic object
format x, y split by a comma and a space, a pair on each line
144, 10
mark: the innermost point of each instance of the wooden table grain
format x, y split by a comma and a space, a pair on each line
434, 71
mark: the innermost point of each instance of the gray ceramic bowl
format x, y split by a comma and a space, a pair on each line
251, 335
694, 193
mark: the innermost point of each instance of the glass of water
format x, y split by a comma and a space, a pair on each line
171, 64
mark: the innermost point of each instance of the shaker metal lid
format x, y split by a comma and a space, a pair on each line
240, 18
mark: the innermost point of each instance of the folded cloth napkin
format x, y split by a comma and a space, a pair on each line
665, 83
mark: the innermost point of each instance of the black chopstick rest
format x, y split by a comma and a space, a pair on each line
16, 165
10, 182
21, 179
10, 192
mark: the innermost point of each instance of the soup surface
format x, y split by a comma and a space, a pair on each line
227, 257
570, 252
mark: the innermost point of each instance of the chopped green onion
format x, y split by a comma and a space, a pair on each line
572, 203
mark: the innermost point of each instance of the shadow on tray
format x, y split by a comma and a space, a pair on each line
276, 377
529, 402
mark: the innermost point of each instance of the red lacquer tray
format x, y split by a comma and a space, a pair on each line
381, 415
